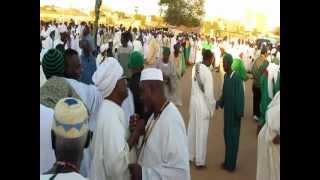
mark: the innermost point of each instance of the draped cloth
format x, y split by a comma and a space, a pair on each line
165, 154
110, 151
202, 105
268, 161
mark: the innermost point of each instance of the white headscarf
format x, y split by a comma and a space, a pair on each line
106, 76
104, 47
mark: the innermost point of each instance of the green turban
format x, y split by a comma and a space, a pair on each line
166, 51
228, 58
135, 60
53, 63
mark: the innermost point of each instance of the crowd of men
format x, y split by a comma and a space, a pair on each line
108, 110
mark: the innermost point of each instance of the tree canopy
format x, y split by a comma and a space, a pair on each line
183, 12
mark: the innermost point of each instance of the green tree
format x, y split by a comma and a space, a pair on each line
183, 12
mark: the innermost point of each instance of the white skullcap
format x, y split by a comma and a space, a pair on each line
106, 76
274, 50
104, 47
70, 118
151, 74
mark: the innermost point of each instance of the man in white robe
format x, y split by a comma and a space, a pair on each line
42, 77
51, 92
152, 52
70, 136
137, 45
268, 161
48, 42
164, 151
202, 105
47, 157
112, 141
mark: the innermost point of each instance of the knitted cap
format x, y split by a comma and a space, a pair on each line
70, 118
53, 63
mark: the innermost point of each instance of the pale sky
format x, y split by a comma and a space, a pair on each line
229, 9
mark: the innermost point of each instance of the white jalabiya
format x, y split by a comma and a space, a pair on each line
92, 99
201, 110
199, 52
99, 59
111, 155
42, 77
128, 107
272, 77
47, 43
47, 157
137, 46
268, 164
64, 176
217, 55
193, 51
75, 43
165, 154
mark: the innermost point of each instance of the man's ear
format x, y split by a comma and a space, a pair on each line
53, 140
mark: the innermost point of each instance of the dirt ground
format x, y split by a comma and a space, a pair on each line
247, 155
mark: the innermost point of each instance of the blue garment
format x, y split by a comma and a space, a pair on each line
88, 65
90, 39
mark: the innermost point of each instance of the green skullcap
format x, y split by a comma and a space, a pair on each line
166, 51
228, 58
53, 63
135, 60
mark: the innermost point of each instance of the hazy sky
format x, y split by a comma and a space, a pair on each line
230, 9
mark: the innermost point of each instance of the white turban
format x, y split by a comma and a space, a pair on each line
106, 76
274, 50
151, 74
104, 47
50, 29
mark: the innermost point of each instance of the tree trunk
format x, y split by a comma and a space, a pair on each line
97, 15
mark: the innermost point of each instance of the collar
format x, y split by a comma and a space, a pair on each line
232, 74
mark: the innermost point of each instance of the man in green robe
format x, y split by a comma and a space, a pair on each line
232, 100
268, 90
207, 44
182, 61
257, 70
238, 66
186, 51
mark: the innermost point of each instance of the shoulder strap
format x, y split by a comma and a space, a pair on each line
197, 77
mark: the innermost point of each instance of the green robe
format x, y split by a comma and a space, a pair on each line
265, 99
186, 52
238, 66
207, 45
232, 101
182, 62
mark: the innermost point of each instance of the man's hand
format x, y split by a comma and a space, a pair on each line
140, 126
133, 122
276, 140
135, 171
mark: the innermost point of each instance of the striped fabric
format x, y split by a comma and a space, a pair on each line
53, 63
